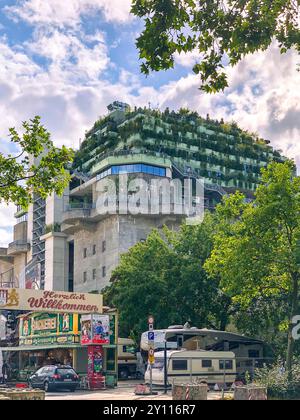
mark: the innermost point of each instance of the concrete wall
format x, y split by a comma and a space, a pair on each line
56, 262
55, 207
20, 262
108, 231
5, 265
20, 232
119, 233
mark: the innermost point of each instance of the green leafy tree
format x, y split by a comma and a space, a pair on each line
256, 247
164, 276
219, 30
37, 168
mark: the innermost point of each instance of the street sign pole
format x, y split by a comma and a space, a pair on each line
151, 358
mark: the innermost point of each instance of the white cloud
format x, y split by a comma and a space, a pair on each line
70, 58
68, 13
6, 223
263, 96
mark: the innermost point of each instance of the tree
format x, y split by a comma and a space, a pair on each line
164, 276
38, 167
219, 31
256, 245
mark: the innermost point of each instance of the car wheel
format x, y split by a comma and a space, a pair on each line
72, 389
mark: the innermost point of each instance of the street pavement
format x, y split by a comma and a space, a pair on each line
124, 392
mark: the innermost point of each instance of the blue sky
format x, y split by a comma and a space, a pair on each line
67, 60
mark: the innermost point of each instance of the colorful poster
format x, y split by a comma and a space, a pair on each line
86, 329
101, 329
95, 329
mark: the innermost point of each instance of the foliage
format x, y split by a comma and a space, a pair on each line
256, 244
276, 380
39, 168
218, 30
263, 318
163, 274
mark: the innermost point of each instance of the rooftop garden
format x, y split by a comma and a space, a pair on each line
182, 135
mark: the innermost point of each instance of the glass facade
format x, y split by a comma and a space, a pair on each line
133, 169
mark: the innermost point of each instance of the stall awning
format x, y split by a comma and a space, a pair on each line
33, 348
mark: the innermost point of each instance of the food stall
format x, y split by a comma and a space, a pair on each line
56, 338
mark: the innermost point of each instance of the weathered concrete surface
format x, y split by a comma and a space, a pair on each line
250, 393
190, 392
23, 395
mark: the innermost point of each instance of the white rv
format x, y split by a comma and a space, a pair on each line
184, 366
2, 336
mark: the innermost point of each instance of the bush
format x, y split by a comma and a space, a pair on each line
276, 380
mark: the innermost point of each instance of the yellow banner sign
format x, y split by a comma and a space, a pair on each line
46, 301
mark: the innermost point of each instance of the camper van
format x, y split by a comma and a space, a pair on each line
130, 363
193, 366
249, 352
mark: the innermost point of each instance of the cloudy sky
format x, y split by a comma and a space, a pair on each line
67, 60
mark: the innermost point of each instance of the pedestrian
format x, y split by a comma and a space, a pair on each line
5, 371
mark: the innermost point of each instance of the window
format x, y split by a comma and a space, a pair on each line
206, 363
85, 277
228, 364
103, 246
84, 252
133, 169
94, 274
253, 354
103, 271
179, 364
94, 249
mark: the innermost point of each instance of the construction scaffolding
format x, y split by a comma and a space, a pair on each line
39, 224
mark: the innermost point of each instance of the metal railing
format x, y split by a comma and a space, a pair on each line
8, 279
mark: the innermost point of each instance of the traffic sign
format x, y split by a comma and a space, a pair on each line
151, 320
151, 336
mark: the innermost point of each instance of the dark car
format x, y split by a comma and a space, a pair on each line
52, 378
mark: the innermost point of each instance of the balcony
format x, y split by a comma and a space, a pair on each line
76, 212
8, 280
18, 247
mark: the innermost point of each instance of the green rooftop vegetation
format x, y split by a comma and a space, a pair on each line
217, 151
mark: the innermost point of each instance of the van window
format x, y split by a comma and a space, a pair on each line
206, 363
228, 364
129, 349
253, 354
179, 364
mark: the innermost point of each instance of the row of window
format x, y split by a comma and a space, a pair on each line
183, 364
132, 169
94, 274
94, 249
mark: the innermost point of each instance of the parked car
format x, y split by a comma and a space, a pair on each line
52, 378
